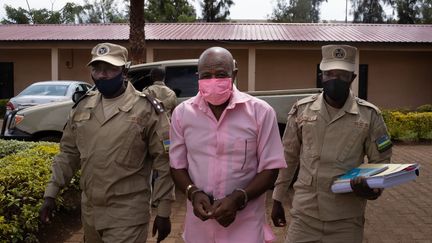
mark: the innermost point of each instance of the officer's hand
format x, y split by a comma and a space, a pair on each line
45, 212
163, 225
202, 207
362, 189
278, 214
225, 211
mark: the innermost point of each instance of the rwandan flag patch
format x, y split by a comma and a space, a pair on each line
383, 143
166, 144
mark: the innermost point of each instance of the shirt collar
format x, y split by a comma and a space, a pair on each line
350, 105
128, 100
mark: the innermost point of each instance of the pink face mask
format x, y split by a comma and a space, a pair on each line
215, 90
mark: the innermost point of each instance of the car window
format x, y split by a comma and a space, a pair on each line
83, 87
47, 90
140, 78
183, 80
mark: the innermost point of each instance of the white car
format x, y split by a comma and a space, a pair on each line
46, 92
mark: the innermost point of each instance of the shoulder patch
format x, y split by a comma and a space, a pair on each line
157, 105
383, 143
367, 104
166, 144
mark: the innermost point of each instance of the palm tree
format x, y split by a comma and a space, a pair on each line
370, 11
216, 10
136, 32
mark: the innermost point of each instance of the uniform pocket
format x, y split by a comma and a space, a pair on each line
352, 144
310, 146
304, 177
132, 151
81, 130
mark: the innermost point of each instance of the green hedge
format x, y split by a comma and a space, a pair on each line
424, 108
25, 168
3, 107
8, 147
410, 126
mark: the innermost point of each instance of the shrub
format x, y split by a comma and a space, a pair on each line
412, 126
8, 147
3, 107
24, 174
425, 108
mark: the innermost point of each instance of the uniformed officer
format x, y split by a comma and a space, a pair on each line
115, 135
160, 91
327, 135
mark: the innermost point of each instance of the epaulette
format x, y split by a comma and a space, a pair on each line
308, 99
89, 93
367, 104
303, 101
157, 105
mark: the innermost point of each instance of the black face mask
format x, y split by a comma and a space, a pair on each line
336, 89
108, 87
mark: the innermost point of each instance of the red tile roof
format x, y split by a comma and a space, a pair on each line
384, 33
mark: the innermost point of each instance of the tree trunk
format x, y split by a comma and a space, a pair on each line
136, 32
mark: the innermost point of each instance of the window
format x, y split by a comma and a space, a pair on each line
140, 78
84, 87
183, 80
49, 90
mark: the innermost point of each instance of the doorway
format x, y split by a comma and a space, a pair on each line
6, 80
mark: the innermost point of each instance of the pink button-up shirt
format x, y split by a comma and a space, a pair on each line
223, 155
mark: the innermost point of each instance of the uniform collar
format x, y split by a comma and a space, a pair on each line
128, 100
350, 105
159, 83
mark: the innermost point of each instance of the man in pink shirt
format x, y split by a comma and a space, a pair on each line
225, 154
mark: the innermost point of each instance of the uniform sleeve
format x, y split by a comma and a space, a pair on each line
270, 150
66, 163
178, 151
292, 143
150, 91
171, 101
158, 142
378, 144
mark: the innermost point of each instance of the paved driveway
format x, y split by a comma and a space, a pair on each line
402, 214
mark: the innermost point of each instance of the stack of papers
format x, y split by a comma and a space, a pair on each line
377, 176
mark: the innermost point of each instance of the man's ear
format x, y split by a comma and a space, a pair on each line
234, 74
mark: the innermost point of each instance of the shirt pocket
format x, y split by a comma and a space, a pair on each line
81, 129
353, 146
244, 156
304, 177
310, 146
133, 147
